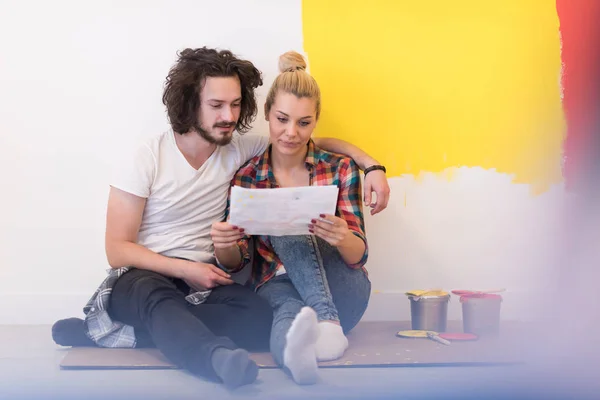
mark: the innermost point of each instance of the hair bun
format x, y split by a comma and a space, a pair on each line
291, 61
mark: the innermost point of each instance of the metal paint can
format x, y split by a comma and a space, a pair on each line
428, 312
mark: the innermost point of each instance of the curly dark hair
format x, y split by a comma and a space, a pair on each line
186, 79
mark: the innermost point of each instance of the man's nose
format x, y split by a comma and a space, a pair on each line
227, 114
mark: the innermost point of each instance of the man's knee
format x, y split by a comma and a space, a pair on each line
141, 287
146, 280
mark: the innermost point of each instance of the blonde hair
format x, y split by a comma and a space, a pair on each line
294, 79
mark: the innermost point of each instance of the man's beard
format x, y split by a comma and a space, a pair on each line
220, 141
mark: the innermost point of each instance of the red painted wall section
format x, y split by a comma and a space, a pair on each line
580, 28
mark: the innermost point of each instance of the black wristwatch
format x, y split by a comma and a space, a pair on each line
373, 168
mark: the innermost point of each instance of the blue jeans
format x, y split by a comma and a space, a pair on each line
316, 277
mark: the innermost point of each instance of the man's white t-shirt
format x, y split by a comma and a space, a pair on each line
182, 202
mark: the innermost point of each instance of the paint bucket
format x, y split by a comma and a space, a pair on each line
481, 313
428, 310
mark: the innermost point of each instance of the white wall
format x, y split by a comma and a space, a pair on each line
80, 82
475, 231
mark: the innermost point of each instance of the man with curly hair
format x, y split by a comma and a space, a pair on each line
165, 288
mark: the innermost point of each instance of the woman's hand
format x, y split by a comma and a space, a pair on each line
225, 238
224, 235
332, 229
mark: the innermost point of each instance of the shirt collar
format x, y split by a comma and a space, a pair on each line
263, 167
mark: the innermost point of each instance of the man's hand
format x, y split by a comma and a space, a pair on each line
202, 276
376, 181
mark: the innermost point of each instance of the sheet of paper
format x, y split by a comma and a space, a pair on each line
280, 211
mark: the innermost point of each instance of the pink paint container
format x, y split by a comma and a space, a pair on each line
481, 312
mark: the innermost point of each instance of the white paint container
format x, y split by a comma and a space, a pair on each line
481, 314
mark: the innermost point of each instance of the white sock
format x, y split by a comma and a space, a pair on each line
332, 342
299, 355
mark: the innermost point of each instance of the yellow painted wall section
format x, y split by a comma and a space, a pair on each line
432, 84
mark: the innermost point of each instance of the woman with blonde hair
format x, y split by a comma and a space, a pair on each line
317, 284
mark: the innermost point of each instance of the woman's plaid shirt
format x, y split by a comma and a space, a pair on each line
325, 169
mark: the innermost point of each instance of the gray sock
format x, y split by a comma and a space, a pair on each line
234, 367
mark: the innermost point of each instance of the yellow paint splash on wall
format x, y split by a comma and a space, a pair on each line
431, 84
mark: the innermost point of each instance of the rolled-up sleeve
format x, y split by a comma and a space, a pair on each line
350, 204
